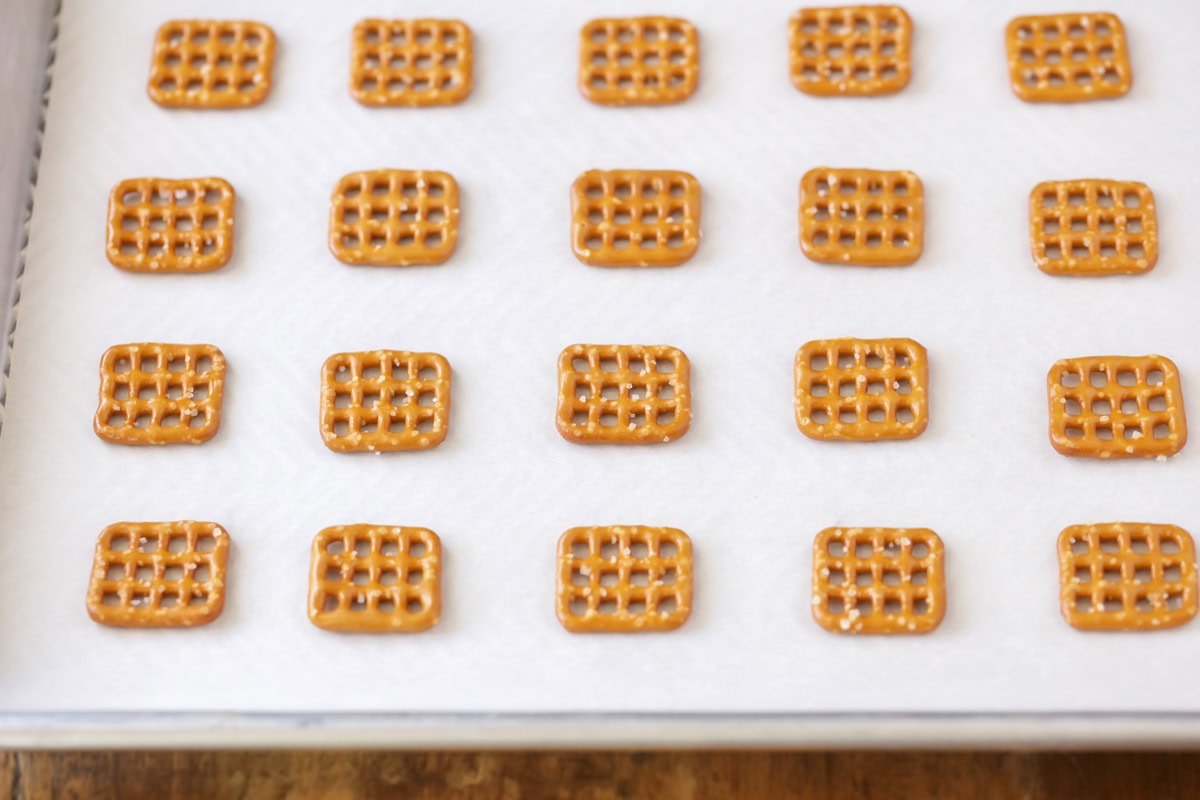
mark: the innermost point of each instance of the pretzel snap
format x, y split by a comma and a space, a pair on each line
411, 62
211, 64
394, 217
1125, 576
635, 218
160, 393
862, 216
638, 61
164, 225
624, 578
158, 574
384, 400
1065, 58
1116, 407
623, 394
862, 389
851, 50
375, 578
1093, 227
878, 580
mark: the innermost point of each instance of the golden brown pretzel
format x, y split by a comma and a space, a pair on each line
411, 62
638, 61
623, 394
164, 225
394, 217
1116, 407
635, 218
851, 50
211, 64
158, 574
1065, 58
878, 580
1093, 227
384, 400
1123, 576
624, 578
862, 216
375, 578
160, 393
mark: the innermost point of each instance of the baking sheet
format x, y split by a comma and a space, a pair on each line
744, 483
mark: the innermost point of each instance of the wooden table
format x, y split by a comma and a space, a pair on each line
597, 775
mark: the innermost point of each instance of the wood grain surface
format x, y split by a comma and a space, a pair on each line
596, 775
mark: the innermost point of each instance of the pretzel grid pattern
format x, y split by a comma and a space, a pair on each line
1116, 407
624, 578
851, 50
211, 64
1093, 227
163, 225
862, 389
384, 400
1126, 576
1065, 58
158, 574
160, 393
878, 580
862, 216
623, 394
638, 61
373, 578
393, 217
628, 218
411, 62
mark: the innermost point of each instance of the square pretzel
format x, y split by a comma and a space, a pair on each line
394, 217
878, 580
623, 394
1065, 58
1116, 407
163, 225
1126, 576
384, 400
211, 64
862, 390
635, 218
157, 393
851, 50
375, 579
624, 578
158, 574
638, 61
862, 216
411, 62
1093, 227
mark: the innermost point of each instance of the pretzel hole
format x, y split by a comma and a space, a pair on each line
846, 240
1104, 433
666, 606
846, 389
609, 578
892, 607
1174, 601
863, 579
170, 421
607, 607
888, 50
920, 550
1101, 407
847, 213
143, 420
902, 386
1072, 407
1102, 29
820, 416
1105, 53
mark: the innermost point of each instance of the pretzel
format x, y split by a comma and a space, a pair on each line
393, 217
158, 574
862, 390
1126, 576
160, 393
851, 50
410, 62
1065, 58
375, 579
638, 61
211, 64
623, 394
878, 580
635, 218
862, 216
384, 400
1116, 407
1093, 227
624, 578
164, 225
